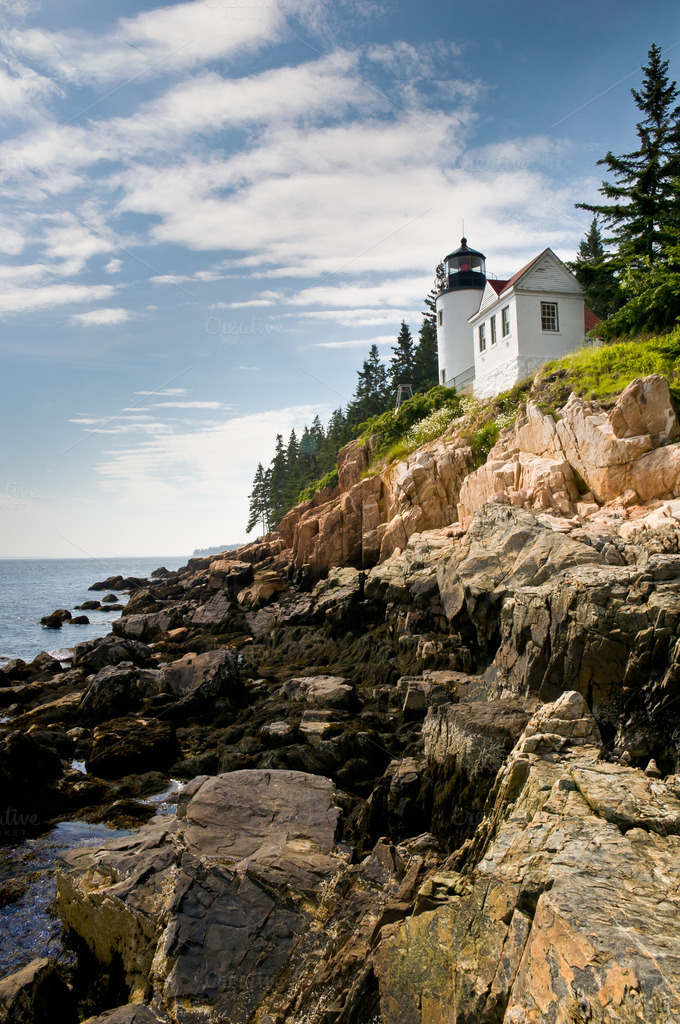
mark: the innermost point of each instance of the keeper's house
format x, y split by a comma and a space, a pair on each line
492, 334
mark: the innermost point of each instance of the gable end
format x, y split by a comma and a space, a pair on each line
549, 274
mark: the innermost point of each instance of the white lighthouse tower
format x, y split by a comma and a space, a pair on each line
459, 295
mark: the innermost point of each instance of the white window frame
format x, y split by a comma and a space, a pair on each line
492, 330
505, 321
550, 315
481, 334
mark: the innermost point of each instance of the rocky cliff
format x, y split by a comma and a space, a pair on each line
429, 736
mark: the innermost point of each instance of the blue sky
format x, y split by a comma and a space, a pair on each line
210, 210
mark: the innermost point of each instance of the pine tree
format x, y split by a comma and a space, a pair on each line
402, 364
293, 481
278, 481
643, 212
431, 299
260, 507
426, 363
337, 434
372, 395
595, 272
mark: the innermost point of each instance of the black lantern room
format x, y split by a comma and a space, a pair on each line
464, 268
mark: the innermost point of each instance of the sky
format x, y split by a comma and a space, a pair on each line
209, 211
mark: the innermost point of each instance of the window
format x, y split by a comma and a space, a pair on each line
493, 330
440, 316
505, 321
443, 376
549, 319
482, 337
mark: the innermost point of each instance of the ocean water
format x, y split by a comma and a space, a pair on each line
33, 587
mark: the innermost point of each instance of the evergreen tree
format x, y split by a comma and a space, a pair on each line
426, 365
594, 270
337, 434
372, 395
431, 300
402, 364
278, 481
293, 481
650, 298
644, 200
260, 506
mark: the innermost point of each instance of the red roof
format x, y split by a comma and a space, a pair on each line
497, 286
590, 320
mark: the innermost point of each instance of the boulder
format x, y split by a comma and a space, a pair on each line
525, 480
52, 621
120, 583
147, 626
262, 590
56, 619
117, 690
43, 666
326, 691
37, 994
206, 911
646, 407
14, 671
229, 574
93, 655
79, 620
212, 676
214, 613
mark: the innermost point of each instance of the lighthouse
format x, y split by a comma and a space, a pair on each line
458, 297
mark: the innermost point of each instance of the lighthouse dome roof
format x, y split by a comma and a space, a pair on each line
464, 249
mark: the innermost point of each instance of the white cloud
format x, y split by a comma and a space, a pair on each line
18, 300
113, 266
12, 238
70, 240
382, 339
362, 317
164, 40
164, 391
394, 292
102, 317
22, 90
189, 405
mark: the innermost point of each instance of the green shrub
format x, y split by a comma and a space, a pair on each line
329, 480
391, 428
482, 441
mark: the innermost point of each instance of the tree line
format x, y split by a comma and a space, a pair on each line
303, 460
631, 274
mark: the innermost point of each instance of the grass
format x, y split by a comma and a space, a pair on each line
602, 373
